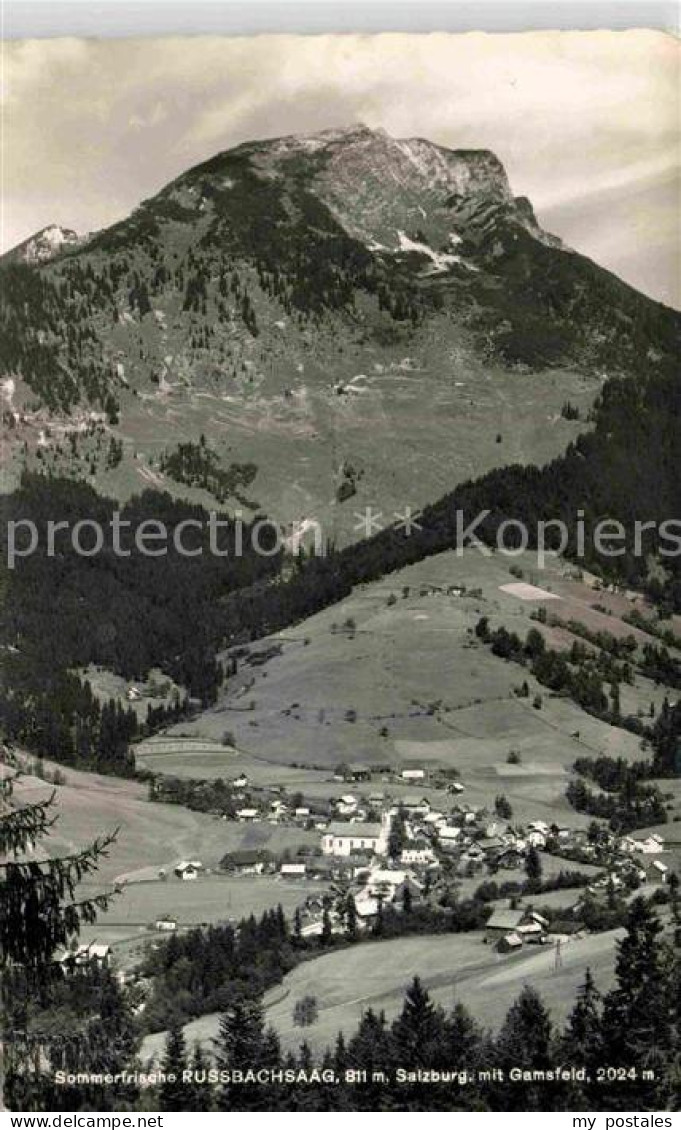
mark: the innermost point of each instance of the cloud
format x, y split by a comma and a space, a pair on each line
93, 126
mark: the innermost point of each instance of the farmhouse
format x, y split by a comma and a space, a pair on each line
415, 805
539, 826
508, 921
247, 861
534, 930
345, 838
347, 805
247, 815
448, 835
651, 845
166, 924
367, 909
188, 868
413, 774
658, 872
279, 810
391, 885
419, 854
293, 870
357, 772
93, 955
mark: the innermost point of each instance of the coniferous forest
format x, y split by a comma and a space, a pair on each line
130, 613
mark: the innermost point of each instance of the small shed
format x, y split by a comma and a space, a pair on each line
509, 943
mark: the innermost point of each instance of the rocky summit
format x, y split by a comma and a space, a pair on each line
311, 325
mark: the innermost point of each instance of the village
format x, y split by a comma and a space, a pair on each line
396, 850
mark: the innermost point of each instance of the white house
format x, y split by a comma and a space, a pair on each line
188, 869
415, 805
247, 815
422, 855
447, 835
166, 923
539, 826
390, 885
652, 845
366, 908
413, 774
86, 955
293, 870
345, 838
347, 805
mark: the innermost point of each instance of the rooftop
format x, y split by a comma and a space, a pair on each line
357, 830
505, 919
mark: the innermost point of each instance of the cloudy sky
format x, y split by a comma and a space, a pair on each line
586, 123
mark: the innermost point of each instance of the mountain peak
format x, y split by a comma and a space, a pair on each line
378, 186
44, 245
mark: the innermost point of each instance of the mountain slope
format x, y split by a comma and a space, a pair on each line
359, 320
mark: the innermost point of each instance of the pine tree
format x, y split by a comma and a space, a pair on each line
418, 1032
533, 869
351, 917
239, 1047
638, 1020
525, 1041
174, 1092
397, 837
38, 914
340, 1055
463, 1035
582, 1040
370, 1049
326, 936
583, 1031
199, 1090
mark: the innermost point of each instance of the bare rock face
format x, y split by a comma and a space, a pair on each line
378, 187
44, 245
